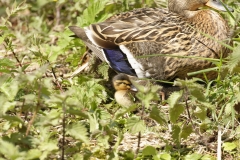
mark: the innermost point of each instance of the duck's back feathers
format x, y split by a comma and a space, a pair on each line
140, 27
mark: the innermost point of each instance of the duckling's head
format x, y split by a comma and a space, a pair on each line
186, 8
121, 82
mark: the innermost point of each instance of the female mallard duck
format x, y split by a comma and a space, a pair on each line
124, 96
127, 41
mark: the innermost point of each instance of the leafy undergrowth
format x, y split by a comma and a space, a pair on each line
50, 111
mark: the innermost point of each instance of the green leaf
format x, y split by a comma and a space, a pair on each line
62, 45
5, 105
196, 92
204, 127
13, 119
103, 70
103, 141
94, 125
89, 89
77, 112
78, 131
128, 155
8, 12
10, 88
146, 98
208, 157
176, 130
5, 62
229, 146
135, 125
51, 117
105, 115
206, 105
149, 150
90, 14
29, 99
228, 108
54, 52
201, 113
237, 131
235, 59
158, 116
33, 154
38, 73
176, 112
174, 98
3, 27
123, 111
1, 40
186, 131
193, 156
10, 151
165, 156
49, 146
4, 78
119, 139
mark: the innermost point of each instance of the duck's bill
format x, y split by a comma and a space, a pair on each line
133, 88
216, 4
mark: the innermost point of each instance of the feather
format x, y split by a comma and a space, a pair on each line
118, 61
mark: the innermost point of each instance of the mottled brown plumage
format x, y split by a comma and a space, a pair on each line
178, 31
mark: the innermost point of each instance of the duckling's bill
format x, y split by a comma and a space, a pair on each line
216, 4
133, 88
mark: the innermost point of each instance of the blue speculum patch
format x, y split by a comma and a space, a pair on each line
118, 61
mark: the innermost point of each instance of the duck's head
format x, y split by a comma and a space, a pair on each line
187, 8
121, 82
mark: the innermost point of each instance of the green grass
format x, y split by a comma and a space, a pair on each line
46, 113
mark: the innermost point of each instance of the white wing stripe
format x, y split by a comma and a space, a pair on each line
133, 62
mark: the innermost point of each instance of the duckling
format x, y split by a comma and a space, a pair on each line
127, 87
127, 41
124, 96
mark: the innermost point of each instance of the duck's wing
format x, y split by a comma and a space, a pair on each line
124, 37
114, 57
